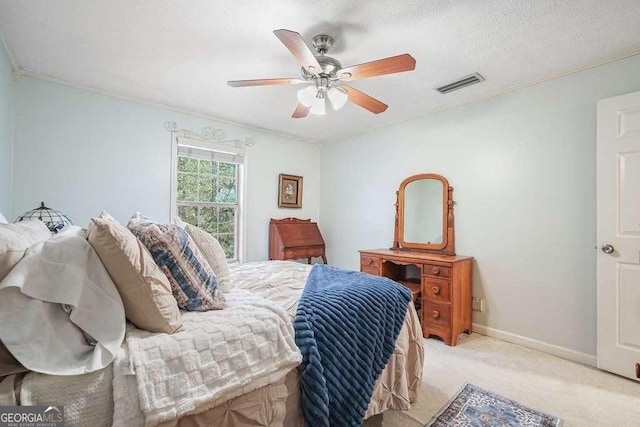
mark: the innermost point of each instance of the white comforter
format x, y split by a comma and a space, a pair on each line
55, 302
281, 282
219, 355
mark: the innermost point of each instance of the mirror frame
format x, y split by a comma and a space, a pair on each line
447, 246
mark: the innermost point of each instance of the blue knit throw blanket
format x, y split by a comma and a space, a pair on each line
346, 327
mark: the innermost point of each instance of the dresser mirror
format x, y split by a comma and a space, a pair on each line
424, 215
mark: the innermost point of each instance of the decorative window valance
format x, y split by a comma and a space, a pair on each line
209, 144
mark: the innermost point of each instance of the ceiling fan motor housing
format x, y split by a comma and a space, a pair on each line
322, 43
330, 67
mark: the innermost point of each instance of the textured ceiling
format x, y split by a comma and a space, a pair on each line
182, 52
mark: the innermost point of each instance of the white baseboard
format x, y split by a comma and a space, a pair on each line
556, 350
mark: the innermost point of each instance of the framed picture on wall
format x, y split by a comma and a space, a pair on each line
290, 191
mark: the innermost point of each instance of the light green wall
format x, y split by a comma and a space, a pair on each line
82, 152
6, 129
523, 166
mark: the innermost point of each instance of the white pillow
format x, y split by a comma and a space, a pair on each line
3, 220
36, 328
16, 238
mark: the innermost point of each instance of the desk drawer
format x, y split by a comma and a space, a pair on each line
368, 261
436, 270
436, 289
309, 252
370, 270
437, 313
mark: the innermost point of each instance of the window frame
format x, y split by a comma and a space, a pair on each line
241, 217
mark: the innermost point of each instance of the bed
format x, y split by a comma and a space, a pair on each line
62, 316
108, 396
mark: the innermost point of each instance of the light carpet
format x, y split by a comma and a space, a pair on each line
580, 395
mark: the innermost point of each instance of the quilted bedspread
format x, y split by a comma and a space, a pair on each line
219, 355
346, 327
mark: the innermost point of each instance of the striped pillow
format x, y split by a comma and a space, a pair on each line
212, 252
192, 279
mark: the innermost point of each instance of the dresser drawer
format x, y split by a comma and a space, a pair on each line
435, 312
370, 270
436, 270
436, 289
367, 261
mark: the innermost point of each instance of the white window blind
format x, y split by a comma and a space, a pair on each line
211, 150
210, 154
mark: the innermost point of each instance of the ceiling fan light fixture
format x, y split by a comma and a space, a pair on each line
319, 107
307, 96
338, 97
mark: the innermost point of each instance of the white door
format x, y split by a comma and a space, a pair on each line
618, 159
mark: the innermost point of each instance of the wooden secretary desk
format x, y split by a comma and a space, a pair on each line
293, 238
423, 258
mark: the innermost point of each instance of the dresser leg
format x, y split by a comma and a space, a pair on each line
453, 341
447, 339
324, 258
309, 260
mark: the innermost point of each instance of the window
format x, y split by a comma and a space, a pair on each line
206, 192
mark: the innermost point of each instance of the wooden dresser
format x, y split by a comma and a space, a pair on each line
441, 285
293, 238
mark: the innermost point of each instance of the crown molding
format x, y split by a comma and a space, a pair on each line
549, 77
10, 55
20, 72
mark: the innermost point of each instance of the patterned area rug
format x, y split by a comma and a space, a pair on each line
475, 407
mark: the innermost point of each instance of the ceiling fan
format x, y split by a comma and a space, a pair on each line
324, 76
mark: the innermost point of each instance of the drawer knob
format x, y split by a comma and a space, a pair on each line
435, 314
436, 290
367, 261
435, 270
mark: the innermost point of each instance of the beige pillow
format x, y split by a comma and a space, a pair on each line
145, 290
212, 252
16, 238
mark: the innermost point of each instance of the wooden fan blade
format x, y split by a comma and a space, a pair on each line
296, 45
300, 111
264, 82
394, 64
365, 101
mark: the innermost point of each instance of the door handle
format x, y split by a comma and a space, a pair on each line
607, 249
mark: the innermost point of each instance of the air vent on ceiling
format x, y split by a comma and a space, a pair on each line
459, 84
